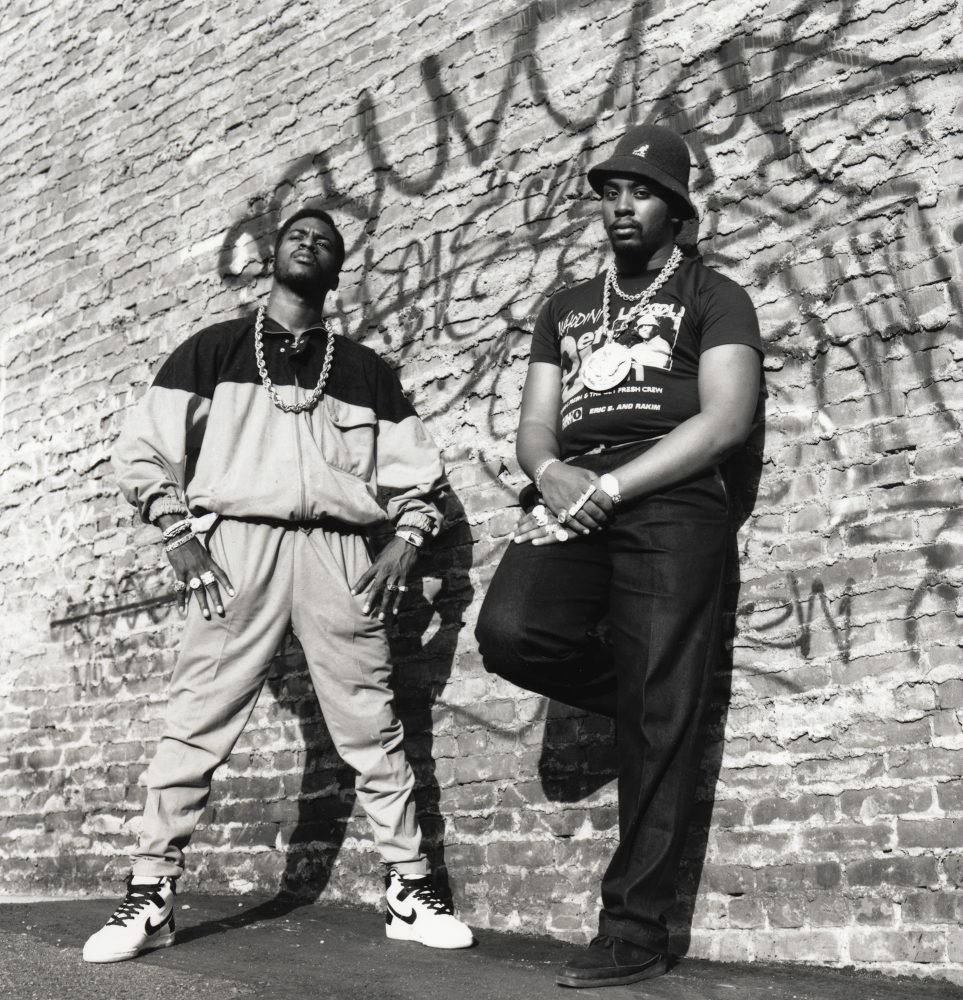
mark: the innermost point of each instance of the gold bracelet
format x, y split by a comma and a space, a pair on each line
180, 540
540, 471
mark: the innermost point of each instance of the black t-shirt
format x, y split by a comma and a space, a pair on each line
696, 309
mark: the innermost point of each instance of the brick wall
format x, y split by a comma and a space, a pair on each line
146, 153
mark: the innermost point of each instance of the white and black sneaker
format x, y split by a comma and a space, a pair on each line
415, 912
145, 920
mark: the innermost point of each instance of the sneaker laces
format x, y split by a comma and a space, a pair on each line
137, 898
422, 890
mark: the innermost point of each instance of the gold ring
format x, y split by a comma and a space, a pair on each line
194, 583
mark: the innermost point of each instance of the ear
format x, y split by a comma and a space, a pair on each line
335, 281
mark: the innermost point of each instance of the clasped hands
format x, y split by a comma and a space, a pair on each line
563, 487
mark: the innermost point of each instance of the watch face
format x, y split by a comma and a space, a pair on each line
610, 485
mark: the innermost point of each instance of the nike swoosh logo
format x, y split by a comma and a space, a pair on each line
410, 919
151, 929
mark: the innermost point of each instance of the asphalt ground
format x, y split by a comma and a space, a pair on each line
229, 948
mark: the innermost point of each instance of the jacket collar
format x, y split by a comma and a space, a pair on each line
275, 329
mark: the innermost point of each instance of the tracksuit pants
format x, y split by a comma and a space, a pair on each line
280, 573
656, 574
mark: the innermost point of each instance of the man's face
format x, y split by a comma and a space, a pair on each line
637, 220
307, 258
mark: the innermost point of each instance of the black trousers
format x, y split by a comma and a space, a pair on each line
656, 575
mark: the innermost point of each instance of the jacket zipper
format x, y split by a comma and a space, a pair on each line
302, 507
300, 514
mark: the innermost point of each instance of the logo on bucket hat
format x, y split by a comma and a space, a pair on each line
654, 153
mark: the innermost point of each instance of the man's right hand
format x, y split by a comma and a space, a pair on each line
562, 485
191, 561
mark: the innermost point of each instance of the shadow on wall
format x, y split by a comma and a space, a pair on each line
742, 473
422, 666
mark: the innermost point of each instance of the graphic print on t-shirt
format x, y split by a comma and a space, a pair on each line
696, 309
649, 332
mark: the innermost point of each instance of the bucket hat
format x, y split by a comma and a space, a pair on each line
655, 153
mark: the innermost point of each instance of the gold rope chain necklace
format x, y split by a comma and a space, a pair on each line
610, 363
645, 296
316, 393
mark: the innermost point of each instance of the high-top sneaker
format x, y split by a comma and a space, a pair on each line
416, 913
144, 920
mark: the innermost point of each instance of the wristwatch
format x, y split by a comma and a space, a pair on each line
609, 484
412, 536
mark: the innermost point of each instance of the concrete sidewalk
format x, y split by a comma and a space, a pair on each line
267, 949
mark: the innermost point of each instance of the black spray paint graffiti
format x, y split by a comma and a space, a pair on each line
801, 613
96, 629
399, 287
711, 99
411, 296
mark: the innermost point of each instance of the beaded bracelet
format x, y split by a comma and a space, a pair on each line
181, 540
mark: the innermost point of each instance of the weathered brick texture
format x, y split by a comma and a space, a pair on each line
146, 154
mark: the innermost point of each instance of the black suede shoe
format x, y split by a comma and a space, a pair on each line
610, 961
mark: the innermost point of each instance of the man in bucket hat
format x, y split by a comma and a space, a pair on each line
641, 380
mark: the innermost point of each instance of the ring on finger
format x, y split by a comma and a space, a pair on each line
403, 587
195, 583
207, 578
180, 586
540, 515
580, 503
391, 586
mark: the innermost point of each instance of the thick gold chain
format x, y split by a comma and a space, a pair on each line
643, 298
316, 393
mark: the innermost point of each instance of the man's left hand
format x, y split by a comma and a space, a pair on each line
385, 580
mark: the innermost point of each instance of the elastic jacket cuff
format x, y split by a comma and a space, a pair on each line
164, 504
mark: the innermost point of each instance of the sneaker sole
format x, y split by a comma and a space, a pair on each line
404, 933
162, 942
651, 972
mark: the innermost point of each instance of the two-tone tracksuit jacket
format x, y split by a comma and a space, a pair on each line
208, 434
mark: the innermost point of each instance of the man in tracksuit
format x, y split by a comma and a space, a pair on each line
281, 432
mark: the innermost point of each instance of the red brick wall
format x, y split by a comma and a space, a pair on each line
145, 156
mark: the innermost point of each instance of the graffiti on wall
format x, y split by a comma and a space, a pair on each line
775, 144
807, 158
